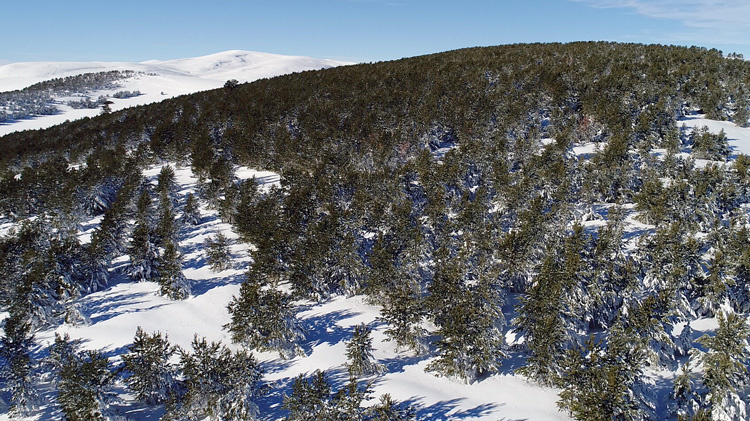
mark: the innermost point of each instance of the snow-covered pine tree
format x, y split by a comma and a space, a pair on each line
191, 213
84, 380
540, 321
165, 182
403, 313
309, 397
217, 252
314, 398
359, 353
143, 250
152, 377
171, 278
166, 226
16, 363
684, 401
265, 318
603, 381
219, 384
725, 366
466, 309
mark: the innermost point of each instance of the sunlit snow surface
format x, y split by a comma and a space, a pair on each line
117, 311
156, 80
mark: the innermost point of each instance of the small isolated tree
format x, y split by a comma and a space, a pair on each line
152, 376
231, 84
359, 353
217, 252
707, 145
173, 282
191, 214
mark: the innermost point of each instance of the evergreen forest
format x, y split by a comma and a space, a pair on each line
535, 210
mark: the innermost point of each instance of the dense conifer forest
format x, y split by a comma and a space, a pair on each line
448, 189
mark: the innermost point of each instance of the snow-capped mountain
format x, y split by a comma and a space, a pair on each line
155, 80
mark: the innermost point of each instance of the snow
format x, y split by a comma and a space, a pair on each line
738, 137
156, 80
117, 311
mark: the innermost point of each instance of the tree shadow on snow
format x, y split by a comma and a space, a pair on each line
202, 286
322, 328
447, 410
109, 305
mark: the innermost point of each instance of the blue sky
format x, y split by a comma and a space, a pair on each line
352, 30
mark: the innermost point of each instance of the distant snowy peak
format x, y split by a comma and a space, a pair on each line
244, 66
154, 80
241, 62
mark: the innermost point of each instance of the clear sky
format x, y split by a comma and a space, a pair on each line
352, 30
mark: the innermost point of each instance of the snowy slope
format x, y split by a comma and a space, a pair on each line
117, 311
157, 80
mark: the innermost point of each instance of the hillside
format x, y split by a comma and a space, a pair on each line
154, 80
543, 231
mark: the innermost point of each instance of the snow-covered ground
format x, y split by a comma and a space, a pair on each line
156, 80
117, 311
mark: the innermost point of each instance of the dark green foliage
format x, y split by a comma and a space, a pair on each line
684, 405
359, 353
315, 398
726, 357
16, 363
438, 186
152, 377
172, 281
217, 252
190, 213
601, 381
143, 248
709, 146
467, 313
84, 380
219, 384
265, 318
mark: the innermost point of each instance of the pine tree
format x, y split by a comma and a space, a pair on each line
684, 403
265, 318
359, 353
314, 398
469, 322
403, 312
16, 364
217, 252
171, 279
219, 384
725, 361
389, 410
309, 398
143, 250
166, 227
84, 380
603, 382
191, 213
541, 323
152, 377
